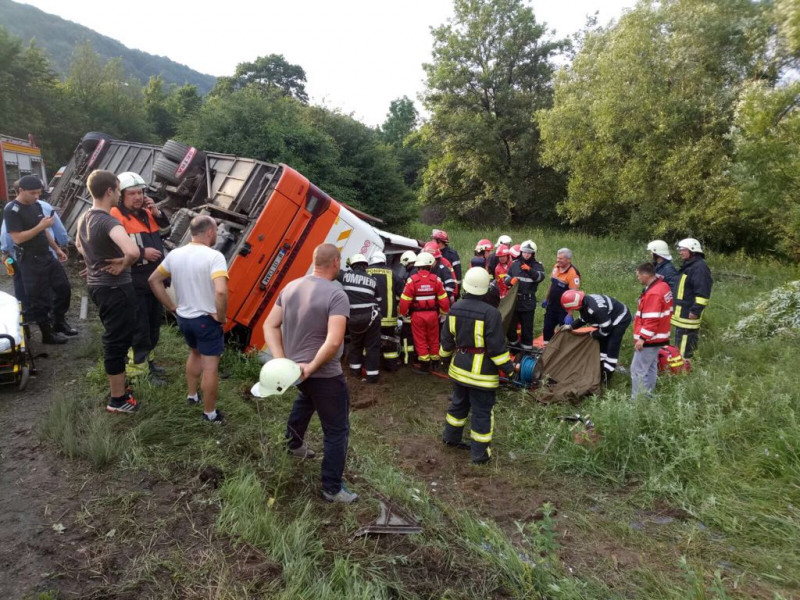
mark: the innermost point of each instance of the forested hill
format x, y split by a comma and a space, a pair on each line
59, 37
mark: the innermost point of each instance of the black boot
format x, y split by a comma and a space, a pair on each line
49, 336
61, 326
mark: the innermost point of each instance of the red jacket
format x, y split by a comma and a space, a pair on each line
653, 314
423, 292
500, 272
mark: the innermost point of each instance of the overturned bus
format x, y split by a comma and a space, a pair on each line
270, 217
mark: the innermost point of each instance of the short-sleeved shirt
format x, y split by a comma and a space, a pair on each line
193, 269
22, 217
94, 236
307, 303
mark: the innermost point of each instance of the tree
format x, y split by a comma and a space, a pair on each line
399, 132
491, 71
268, 74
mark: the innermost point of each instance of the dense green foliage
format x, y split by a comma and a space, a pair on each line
267, 74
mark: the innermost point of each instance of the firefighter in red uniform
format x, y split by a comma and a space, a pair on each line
651, 326
503, 254
426, 297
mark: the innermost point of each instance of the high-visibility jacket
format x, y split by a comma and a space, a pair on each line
146, 230
361, 289
694, 292
560, 282
653, 314
455, 261
423, 292
603, 312
528, 274
389, 288
473, 335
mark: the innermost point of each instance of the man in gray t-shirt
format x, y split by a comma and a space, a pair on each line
307, 325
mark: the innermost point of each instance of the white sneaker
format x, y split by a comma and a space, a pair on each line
343, 496
302, 452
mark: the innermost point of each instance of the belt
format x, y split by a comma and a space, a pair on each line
424, 309
470, 350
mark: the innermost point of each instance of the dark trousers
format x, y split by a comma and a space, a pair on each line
525, 320
330, 397
480, 402
19, 291
117, 308
46, 286
686, 341
407, 341
149, 315
611, 344
365, 334
553, 317
390, 350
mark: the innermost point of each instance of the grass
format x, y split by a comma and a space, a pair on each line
717, 451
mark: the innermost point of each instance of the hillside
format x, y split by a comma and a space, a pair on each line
59, 37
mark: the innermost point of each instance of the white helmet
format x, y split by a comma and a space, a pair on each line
504, 239
476, 281
659, 248
357, 258
528, 246
377, 258
424, 259
408, 257
691, 244
276, 377
129, 179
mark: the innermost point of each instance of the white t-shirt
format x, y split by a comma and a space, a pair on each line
193, 269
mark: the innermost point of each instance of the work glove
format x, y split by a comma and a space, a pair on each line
544, 303
514, 281
525, 267
568, 320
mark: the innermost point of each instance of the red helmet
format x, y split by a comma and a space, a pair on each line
514, 251
503, 250
572, 299
432, 248
484, 245
440, 235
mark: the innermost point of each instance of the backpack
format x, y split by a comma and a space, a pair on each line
671, 361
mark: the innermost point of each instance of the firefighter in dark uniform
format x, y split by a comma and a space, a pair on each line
389, 288
442, 240
473, 337
525, 274
611, 318
44, 279
403, 270
662, 260
364, 325
692, 295
146, 225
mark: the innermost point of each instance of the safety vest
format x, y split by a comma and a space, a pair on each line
423, 292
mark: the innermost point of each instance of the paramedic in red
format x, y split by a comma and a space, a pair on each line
503, 254
651, 326
426, 297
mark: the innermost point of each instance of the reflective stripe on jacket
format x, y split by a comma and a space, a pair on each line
389, 287
423, 292
527, 281
604, 312
361, 289
455, 261
694, 292
654, 311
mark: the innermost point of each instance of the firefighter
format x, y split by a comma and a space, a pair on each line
525, 274
611, 318
443, 270
403, 271
364, 325
503, 254
145, 224
482, 250
389, 288
564, 276
473, 336
442, 240
505, 240
650, 329
662, 260
424, 295
692, 295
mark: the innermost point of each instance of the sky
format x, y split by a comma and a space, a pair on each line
358, 55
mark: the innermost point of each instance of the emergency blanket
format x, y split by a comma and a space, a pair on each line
507, 307
9, 321
569, 367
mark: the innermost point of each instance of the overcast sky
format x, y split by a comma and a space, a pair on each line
358, 55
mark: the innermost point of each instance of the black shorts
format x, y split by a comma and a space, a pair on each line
203, 334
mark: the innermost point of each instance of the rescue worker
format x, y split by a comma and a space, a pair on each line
611, 318
564, 276
473, 335
443, 270
407, 260
442, 240
662, 260
481, 258
503, 254
692, 296
145, 224
364, 325
424, 295
524, 274
651, 326
493, 258
389, 288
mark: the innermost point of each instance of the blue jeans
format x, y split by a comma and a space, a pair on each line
330, 398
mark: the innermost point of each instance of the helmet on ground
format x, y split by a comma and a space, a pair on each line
691, 244
572, 299
377, 258
357, 259
659, 248
440, 235
408, 257
503, 250
276, 377
483, 245
504, 239
433, 249
476, 281
424, 259
528, 246
514, 251
129, 179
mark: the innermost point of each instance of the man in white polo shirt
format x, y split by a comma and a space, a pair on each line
200, 280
